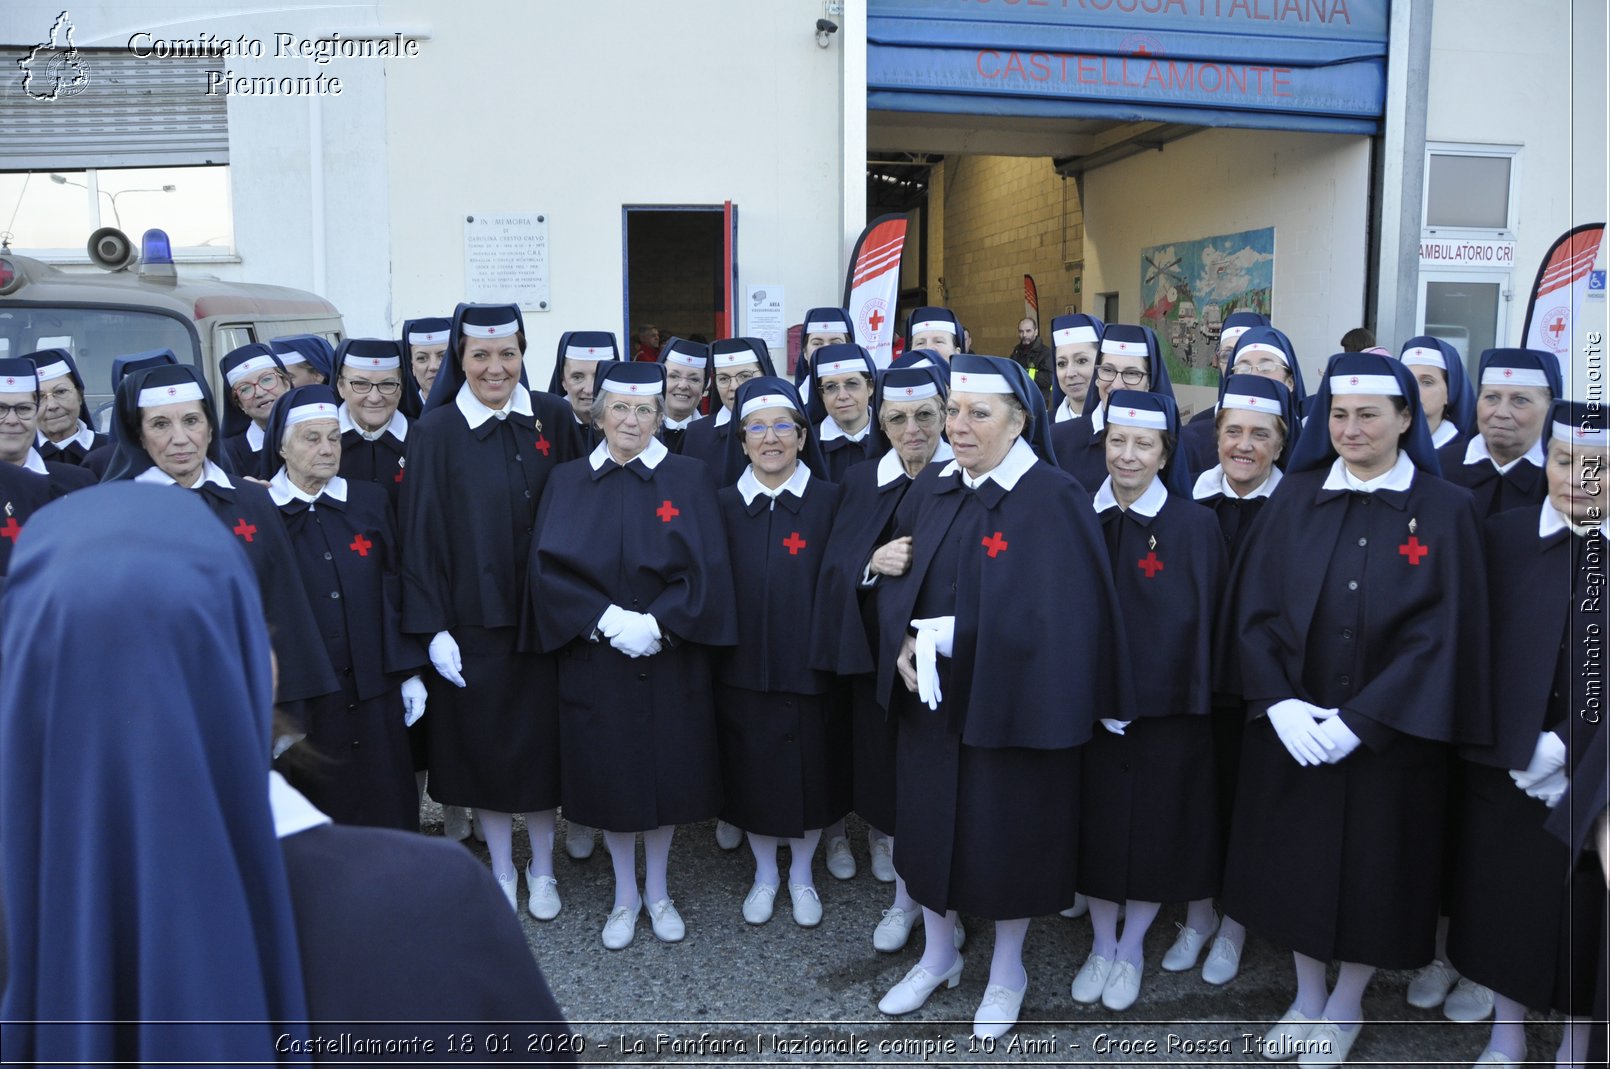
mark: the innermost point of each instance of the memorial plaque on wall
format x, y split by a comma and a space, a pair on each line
506, 259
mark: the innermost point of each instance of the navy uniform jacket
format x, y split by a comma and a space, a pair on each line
380, 461
1339, 601
468, 511
239, 456
842, 454
1169, 573
777, 554
705, 441
22, 493
65, 478
1079, 452
1522, 486
1199, 440
71, 453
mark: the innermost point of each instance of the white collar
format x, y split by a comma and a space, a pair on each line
891, 468
750, 487
1552, 521
1212, 482
1476, 452
292, 811
1065, 410
651, 455
724, 416
254, 437
475, 413
210, 473
84, 436
1445, 433
680, 424
1098, 419
1399, 477
831, 431
1149, 503
397, 426
283, 491
1019, 459
34, 462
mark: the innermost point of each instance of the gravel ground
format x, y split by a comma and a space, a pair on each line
734, 993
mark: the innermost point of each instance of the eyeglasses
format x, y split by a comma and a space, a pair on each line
1261, 367
925, 417
63, 395
831, 389
783, 429
268, 380
24, 411
361, 387
732, 378
620, 410
1132, 376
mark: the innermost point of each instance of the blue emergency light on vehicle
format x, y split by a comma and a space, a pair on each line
155, 248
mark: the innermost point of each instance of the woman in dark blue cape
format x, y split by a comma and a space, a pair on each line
1148, 831
575, 371
1235, 324
842, 449
784, 734
630, 584
375, 455
22, 493
733, 361
19, 384
1258, 350
314, 351
1501, 462
687, 367
1527, 913
479, 459
1362, 606
1079, 338
346, 551
988, 752
423, 343
244, 508
247, 368
185, 914
1078, 443
58, 364
122, 366
1440, 371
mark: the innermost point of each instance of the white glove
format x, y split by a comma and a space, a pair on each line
1115, 726
639, 635
1550, 789
1544, 778
413, 696
934, 639
1339, 735
445, 658
1299, 732
614, 618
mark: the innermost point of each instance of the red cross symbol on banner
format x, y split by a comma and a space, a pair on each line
995, 544
666, 511
1413, 550
1150, 565
361, 545
1557, 327
875, 320
794, 543
543, 446
11, 530
244, 529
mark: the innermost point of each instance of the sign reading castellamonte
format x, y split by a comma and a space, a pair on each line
279, 46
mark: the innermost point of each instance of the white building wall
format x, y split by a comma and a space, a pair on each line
1312, 188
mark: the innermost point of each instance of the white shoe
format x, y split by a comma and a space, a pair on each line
1187, 948
1223, 962
455, 822
728, 836
475, 826
758, 903
622, 926
882, 859
510, 886
544, 901
1469, 1001
579, 841
840, 862
1285, 1039
912, 991
1122, 987
1499, 1058
1081, 906
1430, 986
894, 929
1328, 1045
997, 1014
667, 922
807, 906
1092, 979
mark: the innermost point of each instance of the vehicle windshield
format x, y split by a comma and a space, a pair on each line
95, 337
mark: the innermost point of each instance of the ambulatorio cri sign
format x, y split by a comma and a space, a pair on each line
1469, 253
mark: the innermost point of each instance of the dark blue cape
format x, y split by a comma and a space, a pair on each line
185, 919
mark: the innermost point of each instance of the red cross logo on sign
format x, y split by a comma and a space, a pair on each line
876, 319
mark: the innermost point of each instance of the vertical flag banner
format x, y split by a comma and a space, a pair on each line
1557, 295
872, 287
1031, 299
